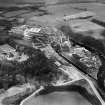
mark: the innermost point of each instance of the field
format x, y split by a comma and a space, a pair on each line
57, 98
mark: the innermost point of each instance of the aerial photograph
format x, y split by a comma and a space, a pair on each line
52, 52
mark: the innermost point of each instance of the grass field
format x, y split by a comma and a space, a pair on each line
58, 98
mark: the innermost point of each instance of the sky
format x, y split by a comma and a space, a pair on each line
47, 1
